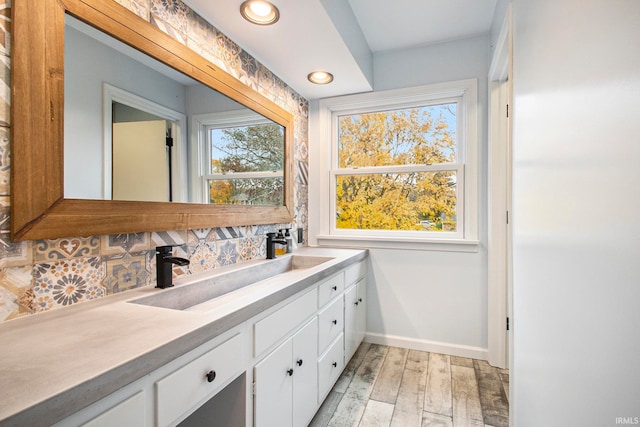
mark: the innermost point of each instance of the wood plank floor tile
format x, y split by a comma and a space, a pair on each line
464, 392
505, 384
436, 420
462, 361
438, 397
388, 382
352, 405
495, 407
376, 414
352, 367
410, 402
328, 407
467, 410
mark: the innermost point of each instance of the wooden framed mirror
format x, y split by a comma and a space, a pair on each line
39, 208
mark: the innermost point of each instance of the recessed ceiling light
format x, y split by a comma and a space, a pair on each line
320, 77
259, 12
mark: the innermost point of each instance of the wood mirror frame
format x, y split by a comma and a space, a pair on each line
38, 207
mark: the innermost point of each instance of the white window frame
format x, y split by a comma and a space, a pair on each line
201, 149
464, 93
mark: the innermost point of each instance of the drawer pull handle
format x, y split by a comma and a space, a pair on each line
335, 288
211, 375
290, 372
299, 362
335, 364
335, 322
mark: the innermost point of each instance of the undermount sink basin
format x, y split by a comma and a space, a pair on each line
218, 283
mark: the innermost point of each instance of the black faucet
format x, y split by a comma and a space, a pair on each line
164, 261
271, 245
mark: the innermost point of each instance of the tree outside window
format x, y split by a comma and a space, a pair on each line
398, 169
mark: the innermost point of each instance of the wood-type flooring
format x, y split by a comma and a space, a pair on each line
391, 386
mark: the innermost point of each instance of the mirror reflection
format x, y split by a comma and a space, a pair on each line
136, 129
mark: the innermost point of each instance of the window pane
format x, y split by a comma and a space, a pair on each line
254, 148
421, 135
403, 201
247, 191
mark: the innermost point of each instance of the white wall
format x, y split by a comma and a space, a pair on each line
576, 204
425, 299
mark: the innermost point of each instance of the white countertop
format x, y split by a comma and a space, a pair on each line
55, 363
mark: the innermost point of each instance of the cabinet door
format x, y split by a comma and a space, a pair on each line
350, 321
273, 378
305, 374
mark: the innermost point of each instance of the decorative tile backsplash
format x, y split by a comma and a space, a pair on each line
42, 275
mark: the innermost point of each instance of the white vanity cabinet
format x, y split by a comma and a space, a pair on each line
273, 369
355, 310
286, 381
168, 395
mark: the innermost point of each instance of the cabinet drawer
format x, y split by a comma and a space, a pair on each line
331, 323
330, 366
130, 412
188, 386
275, 326
330, 288
354, 273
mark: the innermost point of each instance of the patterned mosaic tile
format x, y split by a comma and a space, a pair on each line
248, 230
67, 282
12, 253
170, 16
15, 283
249, 67
168, 238
4, 162
202, 257
50, 250
139, 7
302, 175
228, 253
123, 243
126, 272
201, 35
228, 54
5, 91
226, 233
5, 27
201, 235
252, 248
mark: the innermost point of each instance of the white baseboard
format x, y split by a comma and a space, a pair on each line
430, 346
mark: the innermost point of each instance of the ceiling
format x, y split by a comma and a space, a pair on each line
342, 36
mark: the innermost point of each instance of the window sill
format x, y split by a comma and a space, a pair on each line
444, 245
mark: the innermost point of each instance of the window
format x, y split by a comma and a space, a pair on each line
402, 167
240, 158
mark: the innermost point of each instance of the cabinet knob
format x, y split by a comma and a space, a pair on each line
290, 372
299, 362
335, 322
356, 303
359, 299
335, 288
335, 364
211, 375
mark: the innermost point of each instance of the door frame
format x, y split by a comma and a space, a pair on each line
179, 174
499, 200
